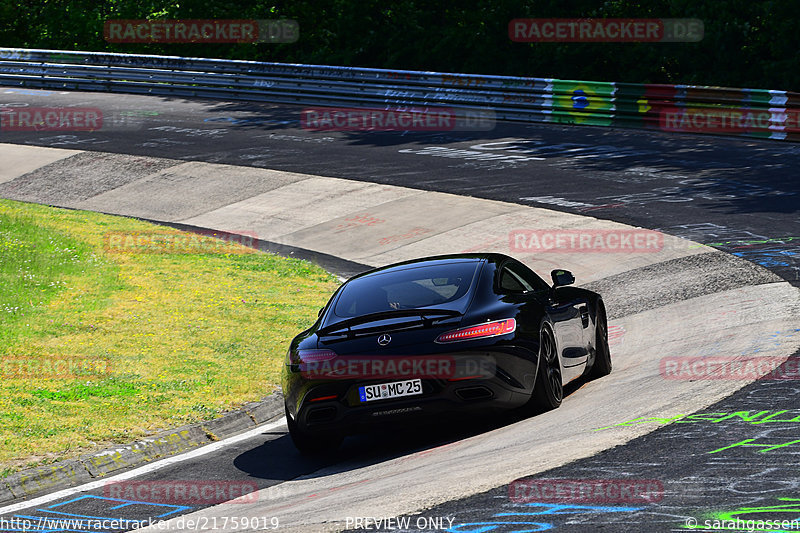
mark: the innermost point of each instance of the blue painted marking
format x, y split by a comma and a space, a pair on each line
64, 522
123, 503
579, 101
30, 92
556, 508
482, 527
544, 509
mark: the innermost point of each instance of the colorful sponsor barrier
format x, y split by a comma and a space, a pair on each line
759, 113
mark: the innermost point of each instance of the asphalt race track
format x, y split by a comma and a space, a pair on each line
739, 196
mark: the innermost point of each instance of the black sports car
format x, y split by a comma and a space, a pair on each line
440, 335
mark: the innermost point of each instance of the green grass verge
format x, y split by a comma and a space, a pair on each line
100, 346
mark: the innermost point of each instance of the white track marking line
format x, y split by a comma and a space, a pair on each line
146, 469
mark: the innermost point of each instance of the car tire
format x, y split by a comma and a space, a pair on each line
548, 392
602, 354
312, 444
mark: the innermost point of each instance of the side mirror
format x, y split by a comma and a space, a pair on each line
561, 278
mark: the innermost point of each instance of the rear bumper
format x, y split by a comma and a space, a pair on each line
325, 404
439, 399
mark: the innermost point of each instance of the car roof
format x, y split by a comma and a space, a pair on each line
435, 261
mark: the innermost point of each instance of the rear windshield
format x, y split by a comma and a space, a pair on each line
444, 285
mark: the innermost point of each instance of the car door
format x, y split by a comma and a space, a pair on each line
568, 311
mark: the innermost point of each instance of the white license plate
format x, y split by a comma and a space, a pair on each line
396, 389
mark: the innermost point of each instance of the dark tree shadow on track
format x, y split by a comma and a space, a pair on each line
723, 175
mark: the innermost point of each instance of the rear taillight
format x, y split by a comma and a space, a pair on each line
323, 398
315, 356
488, 329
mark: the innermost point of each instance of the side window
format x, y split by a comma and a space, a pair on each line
510, 281
514, 277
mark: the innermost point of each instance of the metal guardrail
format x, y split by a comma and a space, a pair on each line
747, 112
